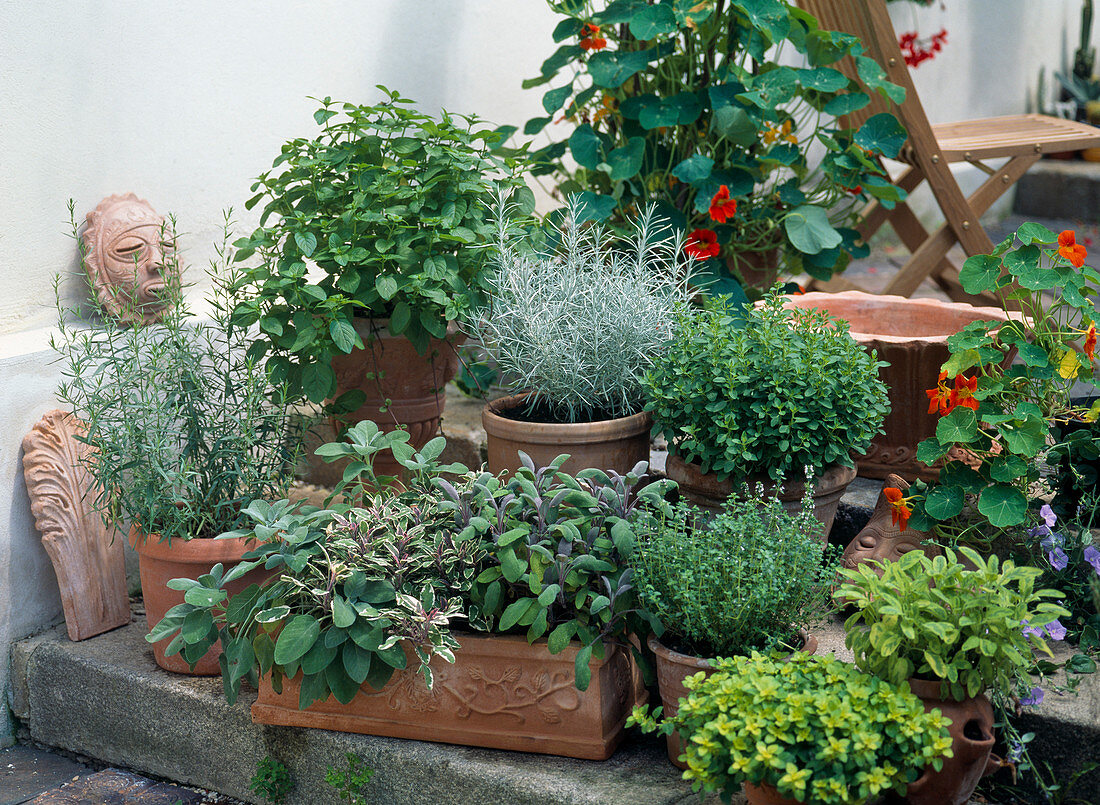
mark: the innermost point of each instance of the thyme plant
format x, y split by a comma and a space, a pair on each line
186, 429
579, 321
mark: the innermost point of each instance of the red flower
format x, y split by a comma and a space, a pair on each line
899, 505
590, 40
939, 398
722, 207
1070, 249
701, 244
917, 51
1090, 342
963, 393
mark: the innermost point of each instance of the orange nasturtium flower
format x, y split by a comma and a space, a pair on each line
899, 506
963, 393
1090, 341
722, 207
783, 133
939, 398
1070, 249
943, 400
701, 244
590, 39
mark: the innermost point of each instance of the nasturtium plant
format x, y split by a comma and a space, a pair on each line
698, 107
375, 216
973, 626
814, 728
1006, 384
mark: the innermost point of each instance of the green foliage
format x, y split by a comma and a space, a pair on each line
1007, 427
765, 391
541, 552
386, 202
186, 427
672, 100
272, 781
578, 323
939, 619
745, 581
351, 781
556, 565
813, 727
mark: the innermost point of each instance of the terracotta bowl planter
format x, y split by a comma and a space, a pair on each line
765, 794
707, 492
911, 335
501, 692
391, 369
972, 730
613, 444
673, 668
160, 562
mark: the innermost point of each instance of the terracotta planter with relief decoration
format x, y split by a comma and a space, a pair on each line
501, 693
910, 335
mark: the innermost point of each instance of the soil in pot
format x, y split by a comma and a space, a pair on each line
972, 731
160, 562
611, 444
673, 667
707, 492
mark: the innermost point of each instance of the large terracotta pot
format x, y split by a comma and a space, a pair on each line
673, 668
613, 444
765, 794
972, 730
160, 562
707, 492
501, 692
390, 370
910, 335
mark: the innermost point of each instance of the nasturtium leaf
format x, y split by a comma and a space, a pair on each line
552, 101
1024, 437
871, 74
825, 47
1007, 468
823, 79
943, 502
296, 638
1031, 232
770, 17
1003, 505
960, 426
930, 451
1068, 364
883, 134
614, 13
734, 123
594, 207
586, 147
961, 361
626, 161
653, 21
694, 169
846, 104
809, 230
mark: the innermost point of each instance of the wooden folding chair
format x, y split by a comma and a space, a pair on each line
930, 150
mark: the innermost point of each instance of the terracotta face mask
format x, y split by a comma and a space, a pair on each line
881, 539
130, 258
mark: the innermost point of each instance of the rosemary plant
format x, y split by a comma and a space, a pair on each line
185, 428
578, 319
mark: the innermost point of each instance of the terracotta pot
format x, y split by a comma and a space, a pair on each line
390, 369
755, 269
613, 444
765, 794
911, 335
707, 492
972, 730
160, 562
673, 668
501, 692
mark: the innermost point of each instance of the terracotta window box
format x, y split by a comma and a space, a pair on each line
500, 693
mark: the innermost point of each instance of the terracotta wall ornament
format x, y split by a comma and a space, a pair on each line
90, 567
881, 538
129, 254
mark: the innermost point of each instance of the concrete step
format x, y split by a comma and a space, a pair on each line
1056, 188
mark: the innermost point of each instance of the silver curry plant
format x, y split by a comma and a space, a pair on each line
577, 320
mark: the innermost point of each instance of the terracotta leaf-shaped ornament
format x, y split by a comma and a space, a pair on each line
89, 564
881, 538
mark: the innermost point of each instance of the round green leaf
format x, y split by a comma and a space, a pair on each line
960, 426
883, 134
943, 502
979, 273
1003, 505
585, 146
694, 169
626, 161
809, 230
296, 639
653, 21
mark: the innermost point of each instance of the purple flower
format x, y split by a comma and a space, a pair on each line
1058, 559
1092, 556
1048, 515
1034, 700
1031, 631
1016, 751
1049, 519
1052, 540
1056, 630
